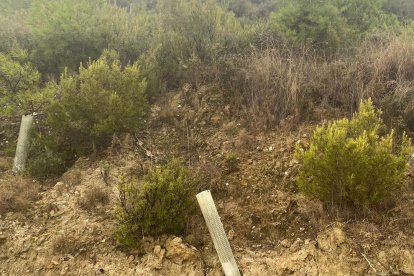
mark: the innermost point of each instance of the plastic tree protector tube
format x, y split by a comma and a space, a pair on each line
216, 229
22, 144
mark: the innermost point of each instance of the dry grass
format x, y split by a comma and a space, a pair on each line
278, 87
16, 193
92, 198
390, 78
72, 177
66, 243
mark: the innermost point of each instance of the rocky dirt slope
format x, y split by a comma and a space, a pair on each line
68, 227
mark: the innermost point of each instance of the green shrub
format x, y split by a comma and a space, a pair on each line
79, 30
161, 204
231, 163
105, 99
319, 25
191, 35
10, 150
332, 25
20, 91
66, 32
46, 158
350, 164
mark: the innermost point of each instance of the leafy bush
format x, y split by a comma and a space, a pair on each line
348, 163
191, 35
161, 204
67, 32
46, 158
105, 99
20, 91
320, 25
331, 25
14, 30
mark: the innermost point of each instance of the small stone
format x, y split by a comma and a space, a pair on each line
382, 257
285, 243
296, 245
230, 235
3, 239
131, 258
157, 250
55, 263
59, 184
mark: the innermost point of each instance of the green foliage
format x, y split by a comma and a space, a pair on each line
365, 16
46, 159
10, 150
14, 31
104, 99
190, 35
19, 85
348, 163
254, 9
78, 30
331, 25
231, 163
131, 35
404, 9
65, 33
161, 204
7, 6
319, 25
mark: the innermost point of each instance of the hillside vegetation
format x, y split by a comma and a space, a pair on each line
297, 115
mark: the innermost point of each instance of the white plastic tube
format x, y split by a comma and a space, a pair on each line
22, 144
216, 229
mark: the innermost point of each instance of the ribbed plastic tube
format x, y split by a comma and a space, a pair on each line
22, 144
216, 229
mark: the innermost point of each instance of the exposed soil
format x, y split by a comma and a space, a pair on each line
272, 228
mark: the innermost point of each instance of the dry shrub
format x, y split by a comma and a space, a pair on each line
5, 163
391, 58
92, 198
66, 243
389, 68
16, 193
272, 85
72, 177
279, 86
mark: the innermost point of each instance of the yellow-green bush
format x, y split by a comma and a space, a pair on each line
105, 99
349, 163
161, 204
